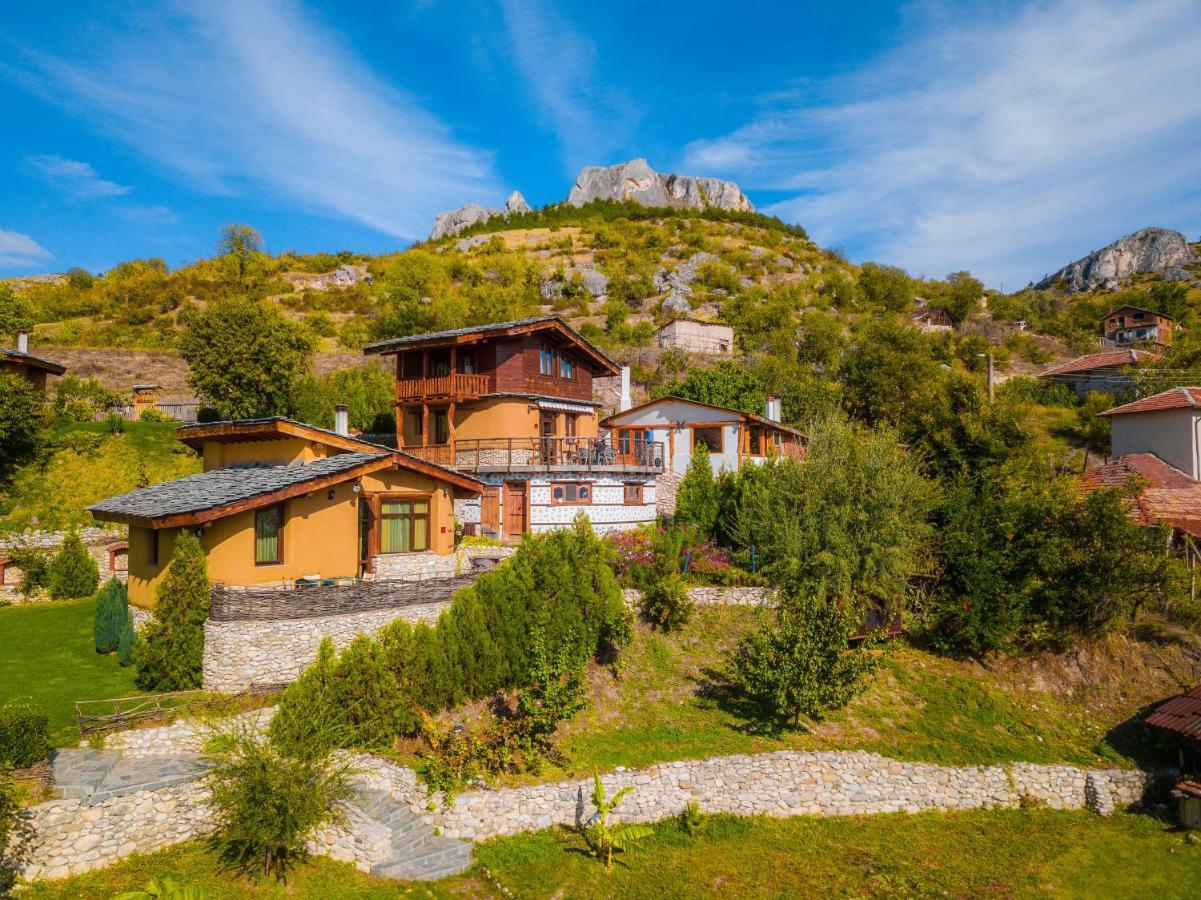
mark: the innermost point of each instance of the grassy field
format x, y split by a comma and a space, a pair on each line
48, 656
1004, 853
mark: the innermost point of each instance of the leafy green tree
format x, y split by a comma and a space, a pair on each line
240, 251
367, 391
886, 286
696, 498
170, 654
886, 368
963, 294
1169, 298
22, 423
725, 384
73, 572
111, 617
799, 661
1095, 428
15, 312
244, 358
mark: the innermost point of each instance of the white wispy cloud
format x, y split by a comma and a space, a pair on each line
20, 251
78, 179
1008, 145
149, 215
245, 97
558, 64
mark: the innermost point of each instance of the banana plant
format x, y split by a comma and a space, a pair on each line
165, 888
603, 838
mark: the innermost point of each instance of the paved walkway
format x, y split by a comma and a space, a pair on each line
97, 775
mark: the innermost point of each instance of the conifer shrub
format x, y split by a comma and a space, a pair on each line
111, 617
666, 604
24, 734
127, 640
170, 654
73, 573
697, 498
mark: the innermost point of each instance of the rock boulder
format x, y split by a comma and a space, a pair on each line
1149, 250
636, 180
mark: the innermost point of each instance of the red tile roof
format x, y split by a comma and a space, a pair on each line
1174, 398
1192, 788
1167, 494
1111, 359
1181, 714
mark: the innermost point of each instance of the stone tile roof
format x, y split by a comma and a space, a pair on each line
222, 487
1165, 494
456, 332
28, 359
1112, 359
1173, 398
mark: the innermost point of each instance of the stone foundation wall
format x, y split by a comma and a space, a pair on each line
185, 736
96, 540
239, 654
417, 566
707, 596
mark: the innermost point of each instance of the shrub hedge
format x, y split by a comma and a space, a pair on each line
24, 734
73, 573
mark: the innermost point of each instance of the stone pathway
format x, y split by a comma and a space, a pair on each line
418, 854
93, 776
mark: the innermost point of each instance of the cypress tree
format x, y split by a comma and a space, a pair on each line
696, 500
112, 613
73, 573
170, 655
127, 641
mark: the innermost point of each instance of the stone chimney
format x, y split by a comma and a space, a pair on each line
22, 341
626, 402
773, 408
342, 419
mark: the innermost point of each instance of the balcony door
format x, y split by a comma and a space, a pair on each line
547, 423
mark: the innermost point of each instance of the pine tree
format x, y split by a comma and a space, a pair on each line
127, 641
170, 655
112, 613
73, 573
696, 500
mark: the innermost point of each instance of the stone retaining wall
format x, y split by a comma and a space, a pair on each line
706, 596
97, 541
185, 736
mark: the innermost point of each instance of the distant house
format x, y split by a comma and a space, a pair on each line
21, 362
1166, 494
731, 436
1099, 371
696, 336
932, 319
1128, 326
280, 501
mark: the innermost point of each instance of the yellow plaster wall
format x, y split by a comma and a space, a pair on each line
284, 450
144, 576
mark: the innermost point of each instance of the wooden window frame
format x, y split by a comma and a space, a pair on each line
587, 501
546, 360
721, 437
152, 553
434, 415
640, 493
378, 502
279, 555
566, 367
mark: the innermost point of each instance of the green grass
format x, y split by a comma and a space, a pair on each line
48, 656
1004, 853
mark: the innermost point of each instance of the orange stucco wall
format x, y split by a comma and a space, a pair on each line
320, 537
500, 417
284, 450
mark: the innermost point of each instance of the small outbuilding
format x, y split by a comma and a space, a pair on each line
696, 336
35, 369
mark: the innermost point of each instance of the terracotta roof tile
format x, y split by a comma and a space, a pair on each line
1168, 495
1112, 359
1181, 714
1174, 398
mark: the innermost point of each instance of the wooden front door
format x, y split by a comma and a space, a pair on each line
516, 510
490, 511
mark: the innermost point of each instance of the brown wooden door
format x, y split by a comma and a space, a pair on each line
516, 510
490, 511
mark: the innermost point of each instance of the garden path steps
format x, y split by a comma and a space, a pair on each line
418, 854
94, 776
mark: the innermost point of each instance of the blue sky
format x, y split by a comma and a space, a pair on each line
1005, 138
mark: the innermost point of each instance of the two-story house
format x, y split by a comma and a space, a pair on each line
511, 404
1127, 326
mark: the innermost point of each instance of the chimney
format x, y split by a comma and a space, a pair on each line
342, 419
626, 402
22, 341
772, 408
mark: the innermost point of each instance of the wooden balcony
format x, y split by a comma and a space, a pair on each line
456, 386
547, 454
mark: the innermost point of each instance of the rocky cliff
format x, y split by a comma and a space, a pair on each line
1149, 250
455, 220
636, 180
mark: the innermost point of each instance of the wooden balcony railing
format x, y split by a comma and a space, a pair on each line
560, 454
456, 384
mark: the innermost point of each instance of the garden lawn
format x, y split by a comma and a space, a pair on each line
1004, 853
47, 654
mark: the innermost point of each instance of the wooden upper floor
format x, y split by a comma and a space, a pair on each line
534, 357
1128, 325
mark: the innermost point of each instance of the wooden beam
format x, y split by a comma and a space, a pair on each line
425, 424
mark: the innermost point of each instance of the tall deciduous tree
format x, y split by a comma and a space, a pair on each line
240, 249
244, 358
726, 384
14, 312
22, 423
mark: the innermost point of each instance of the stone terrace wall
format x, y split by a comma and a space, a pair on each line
184, 736
703, 596
96, 540
781, 784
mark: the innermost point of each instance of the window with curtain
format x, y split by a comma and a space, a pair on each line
404, 525
268, 535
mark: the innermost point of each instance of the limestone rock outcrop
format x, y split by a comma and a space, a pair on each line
1149, 250
455, 220
636, 180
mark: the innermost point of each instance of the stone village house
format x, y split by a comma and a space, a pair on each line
696, 336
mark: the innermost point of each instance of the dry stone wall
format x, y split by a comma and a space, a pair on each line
714, 596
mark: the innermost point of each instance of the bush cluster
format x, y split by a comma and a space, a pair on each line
24, 734
73, 573
558, 588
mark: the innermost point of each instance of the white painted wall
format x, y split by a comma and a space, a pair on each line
664, 419
1171, 434
607, 511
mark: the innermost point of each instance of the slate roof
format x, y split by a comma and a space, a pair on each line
1181, 714
37, 362
1166, 494
1113, 359
222, 487
1173, 398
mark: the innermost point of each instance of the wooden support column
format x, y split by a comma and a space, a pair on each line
425, 425
450, 428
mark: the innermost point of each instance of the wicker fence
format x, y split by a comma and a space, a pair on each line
265, 604
121, 713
